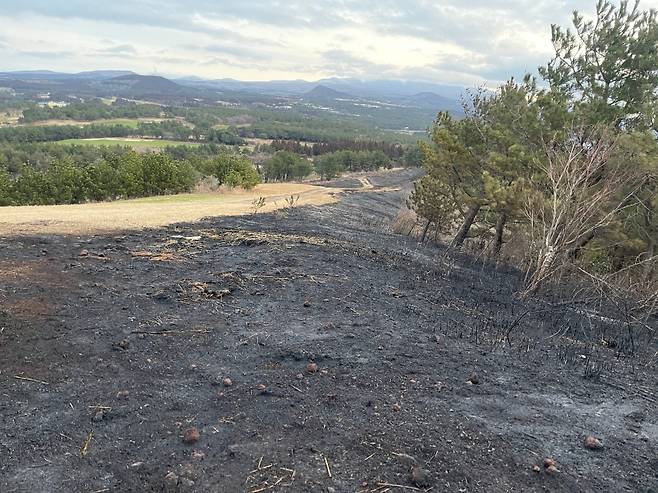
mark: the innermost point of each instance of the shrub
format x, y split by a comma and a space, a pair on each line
234, 170
286, 166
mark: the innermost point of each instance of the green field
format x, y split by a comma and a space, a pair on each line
136, 144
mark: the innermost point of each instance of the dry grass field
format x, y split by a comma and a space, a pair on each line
150, 212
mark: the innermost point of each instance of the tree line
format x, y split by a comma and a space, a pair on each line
120, 174
287, 166
167, 129
90, 111
392, 150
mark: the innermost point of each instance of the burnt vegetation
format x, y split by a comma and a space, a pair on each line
477, 312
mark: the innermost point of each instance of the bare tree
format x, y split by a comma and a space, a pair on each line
580, 191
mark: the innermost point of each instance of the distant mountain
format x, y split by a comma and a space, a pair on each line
391, 88
323, 93
272, 88
135, 85
421, 97
31, 75
428, 99
103, 74
377, 89
58, 76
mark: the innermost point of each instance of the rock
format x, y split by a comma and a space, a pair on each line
548, 462
312, 367
593, 443
421, 478
83, 253
171, 479
227, 382
191, 436
552, 470
262, 387
189, 471
123, 394
300, 376
186, 484
307, 303
198, 455
98, 416
122, 345
536, 468
396, 407
473, 379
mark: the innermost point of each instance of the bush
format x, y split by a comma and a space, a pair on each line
6, 188
328, 166
286, 166
234, 170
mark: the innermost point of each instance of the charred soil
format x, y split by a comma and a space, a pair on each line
305, 350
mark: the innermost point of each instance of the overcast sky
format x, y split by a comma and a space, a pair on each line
448, 41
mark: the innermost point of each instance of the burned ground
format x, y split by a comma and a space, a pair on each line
113, 346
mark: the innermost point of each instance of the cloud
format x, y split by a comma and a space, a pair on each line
118, 50
447, 41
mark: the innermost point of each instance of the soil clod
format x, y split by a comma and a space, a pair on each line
593, 443
421, 478
191, 436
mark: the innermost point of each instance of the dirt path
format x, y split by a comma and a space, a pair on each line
365, 183
113, 346
156, 211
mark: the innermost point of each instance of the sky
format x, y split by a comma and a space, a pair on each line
458, 42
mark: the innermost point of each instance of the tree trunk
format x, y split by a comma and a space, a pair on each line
581, 243
427, 227
462, 234
544, 267
651, 253
500, 231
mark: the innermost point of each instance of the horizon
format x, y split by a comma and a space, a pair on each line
448, 44
175, 77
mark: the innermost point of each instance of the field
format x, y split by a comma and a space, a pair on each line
126, 122
9, 117
357, 361
135, 143
155, 211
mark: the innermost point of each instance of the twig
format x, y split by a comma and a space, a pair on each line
401, 486
170, 332
326, 464
297, 389
27, 379
85, 446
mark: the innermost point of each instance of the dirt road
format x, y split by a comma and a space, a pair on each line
114, 346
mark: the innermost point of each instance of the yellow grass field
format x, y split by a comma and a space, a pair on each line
81, 219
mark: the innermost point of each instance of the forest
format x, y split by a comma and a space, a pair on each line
561, 171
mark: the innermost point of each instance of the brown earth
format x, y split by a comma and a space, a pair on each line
431, 375
157, 211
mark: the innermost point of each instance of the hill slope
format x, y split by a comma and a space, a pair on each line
324, 93
423, 357
133, 84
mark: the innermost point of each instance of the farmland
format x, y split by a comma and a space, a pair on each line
135, 143
126, 122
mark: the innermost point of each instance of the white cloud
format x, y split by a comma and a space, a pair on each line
465, 42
